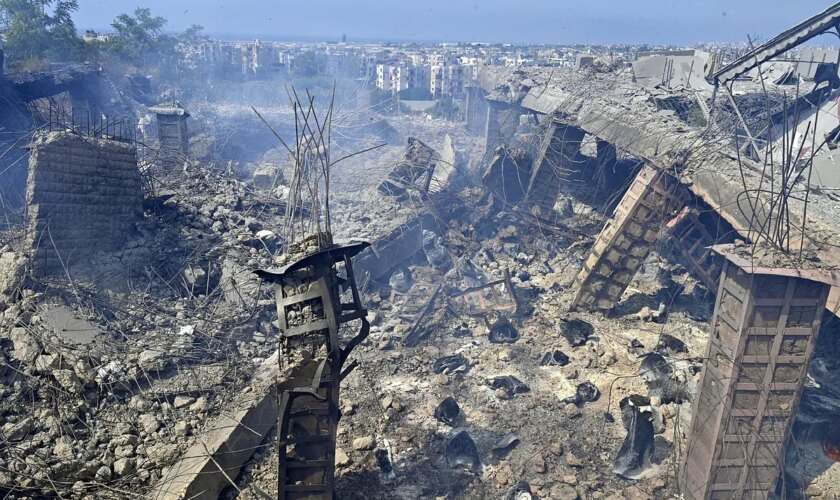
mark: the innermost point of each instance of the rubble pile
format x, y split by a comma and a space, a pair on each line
482, 375
107, 378
470, 390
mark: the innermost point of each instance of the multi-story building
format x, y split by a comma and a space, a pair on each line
448, 80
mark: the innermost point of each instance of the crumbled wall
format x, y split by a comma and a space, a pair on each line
83, 196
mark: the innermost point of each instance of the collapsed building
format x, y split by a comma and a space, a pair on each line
580, 278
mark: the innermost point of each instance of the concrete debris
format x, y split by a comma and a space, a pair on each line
556, 252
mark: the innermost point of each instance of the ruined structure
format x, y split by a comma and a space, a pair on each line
68, 96
84, 196
626, 239
309, 292
761, 340
538, 289
172, 132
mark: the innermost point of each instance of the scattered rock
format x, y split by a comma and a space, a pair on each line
563, 492
18, 431
538, 465
183, 401
63, 448
103, 474
124, 466
153, 360
364, 443
201, 405
182, 428
149, 422
26, 347
341, 458
572, 460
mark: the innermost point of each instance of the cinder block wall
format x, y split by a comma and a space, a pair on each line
83, 196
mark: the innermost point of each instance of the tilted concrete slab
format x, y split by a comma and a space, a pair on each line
217, 455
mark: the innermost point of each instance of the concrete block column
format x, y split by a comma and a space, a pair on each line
761, 339
492, 131
476, 110
172, 133
626, 239
558, 149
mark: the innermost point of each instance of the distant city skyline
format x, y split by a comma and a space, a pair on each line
673, 22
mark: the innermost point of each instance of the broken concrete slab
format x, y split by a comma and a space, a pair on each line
215, 458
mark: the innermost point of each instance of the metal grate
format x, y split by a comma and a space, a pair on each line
94, 125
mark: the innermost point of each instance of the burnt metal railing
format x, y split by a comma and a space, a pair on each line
91, 124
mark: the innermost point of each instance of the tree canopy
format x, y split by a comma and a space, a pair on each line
39, 30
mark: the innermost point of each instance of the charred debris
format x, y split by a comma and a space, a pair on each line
592, 285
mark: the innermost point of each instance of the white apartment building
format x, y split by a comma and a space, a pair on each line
397, 78
449, 79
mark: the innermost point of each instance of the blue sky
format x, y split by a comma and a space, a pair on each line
676, 22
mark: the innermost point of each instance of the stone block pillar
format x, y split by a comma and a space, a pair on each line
626, 239
761, 338
172, 132
558, 149
84, 196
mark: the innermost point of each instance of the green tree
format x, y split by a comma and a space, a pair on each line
39, 30
140, 38
193, 34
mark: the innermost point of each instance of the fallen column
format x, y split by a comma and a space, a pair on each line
761, 339
626, 239
476, 109
213, 462
492, 129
